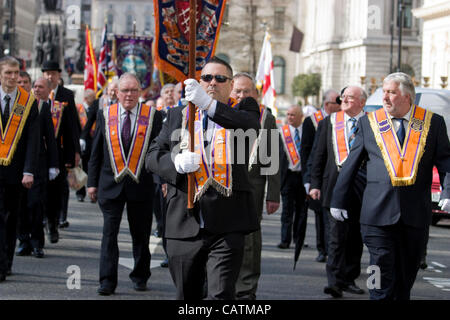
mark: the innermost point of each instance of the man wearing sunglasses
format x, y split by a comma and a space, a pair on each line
207, 242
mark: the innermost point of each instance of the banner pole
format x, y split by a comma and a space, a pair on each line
192, 69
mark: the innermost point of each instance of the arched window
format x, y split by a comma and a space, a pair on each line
224, 57
279, 73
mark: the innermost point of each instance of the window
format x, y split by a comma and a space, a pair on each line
279, 73
279, 18
407, 14
129, 23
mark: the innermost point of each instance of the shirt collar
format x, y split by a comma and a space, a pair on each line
12, 94
359, 115
133, 111
405, 117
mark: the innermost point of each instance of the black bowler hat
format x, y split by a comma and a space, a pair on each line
338, 99
51, 66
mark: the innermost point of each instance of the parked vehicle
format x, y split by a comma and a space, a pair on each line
437, 101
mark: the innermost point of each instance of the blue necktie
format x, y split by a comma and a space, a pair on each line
205, 121
401, 131
297, 140
352, 133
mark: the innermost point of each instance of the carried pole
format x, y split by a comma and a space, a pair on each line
192, 64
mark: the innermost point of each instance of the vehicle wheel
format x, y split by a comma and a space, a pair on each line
434, 220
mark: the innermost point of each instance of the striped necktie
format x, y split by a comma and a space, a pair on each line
352, 133
297, 140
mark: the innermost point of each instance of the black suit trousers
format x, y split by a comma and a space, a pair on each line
139, 214
55, 199
10, 200
215, 258
344, 250
396, 250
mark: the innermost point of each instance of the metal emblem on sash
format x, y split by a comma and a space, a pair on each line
417, 124
19, 110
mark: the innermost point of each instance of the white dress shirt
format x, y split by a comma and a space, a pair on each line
11, 102
405, 121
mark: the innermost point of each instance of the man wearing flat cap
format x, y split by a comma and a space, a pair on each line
67, 129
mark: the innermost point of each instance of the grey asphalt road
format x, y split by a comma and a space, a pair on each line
77, 253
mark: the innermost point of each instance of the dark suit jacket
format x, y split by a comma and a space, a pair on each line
446, 187
384, 204
70, 128
308, 134
221, 214
25, 158
324, 171
86, 132
100, 172
48, 151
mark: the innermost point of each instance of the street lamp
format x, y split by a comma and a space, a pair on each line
400, 15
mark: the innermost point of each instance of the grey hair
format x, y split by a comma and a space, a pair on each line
405, 83
113, 82
326, 95
245, 75
129, 75
167, 86
363, 94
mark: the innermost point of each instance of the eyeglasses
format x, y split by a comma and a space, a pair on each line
127, 91
219, 78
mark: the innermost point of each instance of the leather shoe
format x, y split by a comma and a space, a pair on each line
423, 265
105, 291
23, 250
54, 237
80, 198
353, 288
334, 291
164, 264
64, 224
140, 286
38, 252
2, 277
283, 245
321, 258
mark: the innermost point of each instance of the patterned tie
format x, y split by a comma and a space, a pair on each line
126, 132
297, 140
352, 133
401, 131
5, 113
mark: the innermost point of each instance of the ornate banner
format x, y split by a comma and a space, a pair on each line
134, 54
172, 34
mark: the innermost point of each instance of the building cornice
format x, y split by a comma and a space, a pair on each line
433, 12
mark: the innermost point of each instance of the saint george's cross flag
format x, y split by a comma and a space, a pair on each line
103, 62
264, 75
90, 64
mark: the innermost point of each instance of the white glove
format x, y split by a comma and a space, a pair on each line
82, 145
339, 214
445, 205
187, 162
53, 173
307, 185
196, 94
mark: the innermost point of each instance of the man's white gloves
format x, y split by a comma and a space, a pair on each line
82, 145
445, 205
307, 186
187, 162
53, 173
339, 214
196, 94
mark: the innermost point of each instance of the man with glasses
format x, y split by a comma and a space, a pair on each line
335, 142
309, 146
117, 178
207, 242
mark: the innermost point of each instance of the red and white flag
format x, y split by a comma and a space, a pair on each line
90, 64
264, 75
102, 79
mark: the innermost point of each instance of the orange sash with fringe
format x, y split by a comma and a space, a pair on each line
401, 162
289, 145
340, 141
140, 139
10, 135
317, 117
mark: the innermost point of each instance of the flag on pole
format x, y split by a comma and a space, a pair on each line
172, 34
90, 64
102, 70
264, 75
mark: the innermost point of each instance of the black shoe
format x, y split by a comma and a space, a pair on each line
353, 288
64, 224
283, 245
80, 198
53, 237
23, 250
38, 252
140, 286
334, 291
321, 258
2, 277
423, 265
105, 291
164, 264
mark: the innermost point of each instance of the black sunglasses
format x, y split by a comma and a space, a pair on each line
219, 78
